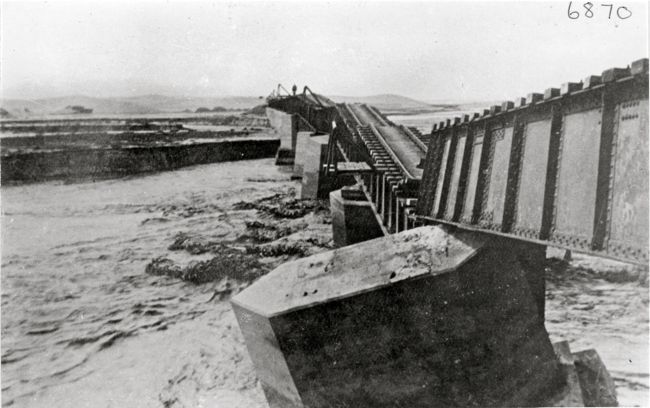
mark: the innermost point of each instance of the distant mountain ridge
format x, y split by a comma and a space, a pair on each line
157, 103
390, 102
124, 105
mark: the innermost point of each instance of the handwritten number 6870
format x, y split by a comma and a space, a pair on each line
622, 12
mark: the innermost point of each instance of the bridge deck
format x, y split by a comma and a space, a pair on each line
365, 116
408, 153
404, 149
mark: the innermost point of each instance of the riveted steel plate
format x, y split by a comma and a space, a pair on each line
441, 177
628, 236
455, 177
472, 179
492, 211
575, 199
532, 180
429, 176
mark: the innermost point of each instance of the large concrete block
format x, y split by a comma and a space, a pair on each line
598, 388
286, 127
571, 395
353, 219
299, 160
315, 156
284, 157
422, 318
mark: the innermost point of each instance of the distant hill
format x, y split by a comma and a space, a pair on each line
123, 105
467, 105
146, 104
24, 107
390, 103
163, 103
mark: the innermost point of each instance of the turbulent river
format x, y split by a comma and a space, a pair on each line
83, 325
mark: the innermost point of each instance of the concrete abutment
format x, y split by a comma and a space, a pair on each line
425, 317
286, 126
353, 218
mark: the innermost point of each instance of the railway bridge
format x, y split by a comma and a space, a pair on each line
446, 306
566, 167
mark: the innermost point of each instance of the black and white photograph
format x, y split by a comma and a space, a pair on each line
324, 204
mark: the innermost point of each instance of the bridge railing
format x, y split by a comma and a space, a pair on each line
568, 167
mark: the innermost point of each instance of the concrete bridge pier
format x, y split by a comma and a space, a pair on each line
302, 142
353, 219
309, 166
427, 317
313, 158
286, 126
532, 260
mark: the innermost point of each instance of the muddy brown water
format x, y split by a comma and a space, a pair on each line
84, 326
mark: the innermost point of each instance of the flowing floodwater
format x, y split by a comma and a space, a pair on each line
84, 326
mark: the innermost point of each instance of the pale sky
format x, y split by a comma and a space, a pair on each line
425, 50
